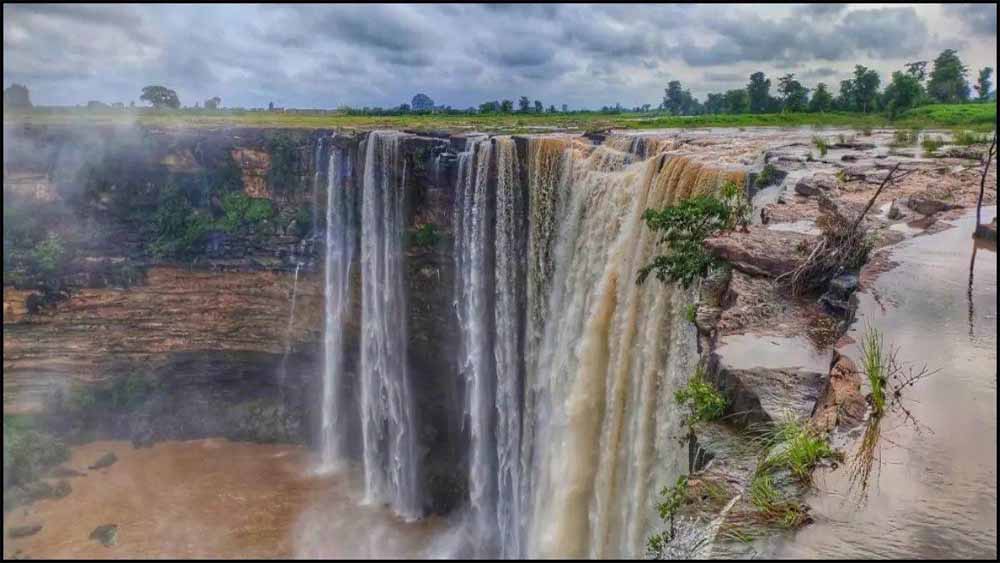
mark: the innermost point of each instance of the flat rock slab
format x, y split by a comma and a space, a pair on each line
762, 251
762, 395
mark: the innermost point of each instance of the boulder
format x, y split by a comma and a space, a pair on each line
815, 185
761, 252
63, 472
105, 460
106, 534
23, 531
926, 205
987, 231
894, 212
837, 299
766, 395
841, 404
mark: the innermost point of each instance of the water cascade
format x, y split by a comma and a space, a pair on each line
568, 366
283, 368
490, 251
387, 415
340, 237
573, 427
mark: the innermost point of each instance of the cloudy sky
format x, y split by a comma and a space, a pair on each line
460, 55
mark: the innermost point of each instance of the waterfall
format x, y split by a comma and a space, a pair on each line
508, 344
474, 294
604, 427
490, 264
283, 369
340, 236
388, 424
569, 367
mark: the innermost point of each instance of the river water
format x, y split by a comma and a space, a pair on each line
936, 494
217, 499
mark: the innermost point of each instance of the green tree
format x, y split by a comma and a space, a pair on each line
759, 92
213, 103
947, 83
160, 97
506, 106
16, 96
422, 102
715, 103
524, 104
489, 107
918, 70
903, 93
794, 96
983, 84
845, 99
737, 101
865, 83
538, 106
821, 100
679, 101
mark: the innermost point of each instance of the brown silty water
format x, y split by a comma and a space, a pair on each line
212, 499
934, 493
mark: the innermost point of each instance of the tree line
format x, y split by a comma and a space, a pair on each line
912, 86
908, 88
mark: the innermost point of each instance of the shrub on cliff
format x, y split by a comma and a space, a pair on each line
703, 400
27, 452
244, 213
685, 226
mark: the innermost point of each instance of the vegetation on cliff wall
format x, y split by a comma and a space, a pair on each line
27, 452
685, 226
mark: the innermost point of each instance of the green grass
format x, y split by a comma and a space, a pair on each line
967, 138
767, 176
821, 144
931, 144
691, 313
873, 364
793, 445
905, 137
979, 117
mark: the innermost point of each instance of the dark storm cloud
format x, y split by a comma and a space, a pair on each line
981, 19
459, 54
748, 37
821, 9
823, 72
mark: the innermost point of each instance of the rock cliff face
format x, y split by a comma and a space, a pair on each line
208, 319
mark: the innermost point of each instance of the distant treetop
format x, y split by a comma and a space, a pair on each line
422, 102
16, 96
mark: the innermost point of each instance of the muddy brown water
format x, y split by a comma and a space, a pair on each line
213, 499
936, 492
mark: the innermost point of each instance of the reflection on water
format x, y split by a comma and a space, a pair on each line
936, 495
216, 499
